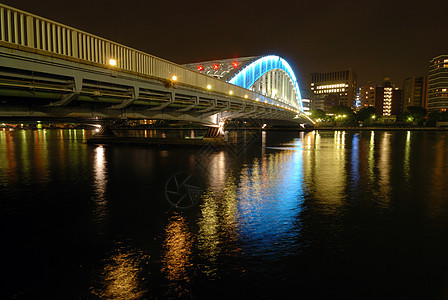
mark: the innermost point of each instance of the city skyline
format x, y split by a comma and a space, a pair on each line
395, 40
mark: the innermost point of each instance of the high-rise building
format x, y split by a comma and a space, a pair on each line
415, 92
333, 88
388, 99
438, 83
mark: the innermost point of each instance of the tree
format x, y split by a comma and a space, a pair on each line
342, 113
417, 112
365, 113
438, 116
341, 110
413, 113
318, 114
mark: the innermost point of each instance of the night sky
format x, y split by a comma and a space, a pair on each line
376, 39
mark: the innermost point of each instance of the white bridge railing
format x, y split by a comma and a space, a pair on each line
28, 30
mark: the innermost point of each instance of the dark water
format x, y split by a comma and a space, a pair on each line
322, 215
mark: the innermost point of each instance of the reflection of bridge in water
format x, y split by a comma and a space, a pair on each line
50, 70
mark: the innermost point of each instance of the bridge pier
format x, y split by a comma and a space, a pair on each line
106, 130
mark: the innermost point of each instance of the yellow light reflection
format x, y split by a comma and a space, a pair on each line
218, 224
384, 167
177, 255
325, 169
372, 156
407, 152
122, 276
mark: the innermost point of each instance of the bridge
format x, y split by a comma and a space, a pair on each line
50, 70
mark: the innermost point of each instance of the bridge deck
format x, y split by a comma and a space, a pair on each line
50, 69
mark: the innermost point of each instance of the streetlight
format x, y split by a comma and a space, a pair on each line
112, 62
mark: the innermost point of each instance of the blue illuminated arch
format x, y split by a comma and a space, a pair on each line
252, 72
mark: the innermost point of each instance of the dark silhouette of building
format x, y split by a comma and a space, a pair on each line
415, 92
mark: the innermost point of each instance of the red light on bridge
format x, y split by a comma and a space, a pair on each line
235, 64
200, 68
215, 66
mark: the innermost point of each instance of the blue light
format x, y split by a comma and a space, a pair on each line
251, 73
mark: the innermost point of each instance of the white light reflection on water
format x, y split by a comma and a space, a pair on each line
100, 211
355, 159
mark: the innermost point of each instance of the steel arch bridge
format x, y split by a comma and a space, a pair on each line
269, 75
48, 69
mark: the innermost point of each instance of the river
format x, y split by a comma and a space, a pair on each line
321, 215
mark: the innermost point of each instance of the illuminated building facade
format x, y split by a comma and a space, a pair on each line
334, 88
438, 83
367, 95
415, 92
388, 99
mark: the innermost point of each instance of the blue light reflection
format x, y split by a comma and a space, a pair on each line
270, 196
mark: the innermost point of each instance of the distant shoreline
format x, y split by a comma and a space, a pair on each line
381, 128
260, 129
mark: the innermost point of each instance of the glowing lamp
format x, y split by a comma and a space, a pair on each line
174, 77
112, 62
215, 66
231, 93
235, 64
200, 68
209, 87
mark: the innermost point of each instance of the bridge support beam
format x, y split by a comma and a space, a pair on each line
127, 102
214, 104
196, 103
67, 98
172, 97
